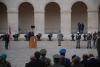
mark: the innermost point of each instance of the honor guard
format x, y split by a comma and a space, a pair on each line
85, 36
94, 39
60, 38
50, 36
73, 37
78, 37
89, 38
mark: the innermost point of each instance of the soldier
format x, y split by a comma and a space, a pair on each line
94, 39
7, 37
84, 36
73, 37
89, 37
60, 37
78, 37
50, 36
39, 36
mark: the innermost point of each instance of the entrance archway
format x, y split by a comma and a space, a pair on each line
78, 15
26, 17
52, 18
3, 18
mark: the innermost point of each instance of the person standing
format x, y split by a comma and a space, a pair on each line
73, 37
59, 37
89, 37
79, 27
98, 45
82, 28
7, 37
78, 37
50, 36
94, 39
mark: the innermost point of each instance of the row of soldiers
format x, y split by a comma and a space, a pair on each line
87, 37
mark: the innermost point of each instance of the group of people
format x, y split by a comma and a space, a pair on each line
89, 37
59, 60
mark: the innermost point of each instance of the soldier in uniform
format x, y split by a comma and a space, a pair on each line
89, 38
84, 36
94, 39
73, 37
50, 36
59, 37
39, 36
7, 37
78, 37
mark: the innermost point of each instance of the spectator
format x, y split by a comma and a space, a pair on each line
76, 62
85, 60
64, 61
92, 61
56, 59
35, 61
4, 62
43, 57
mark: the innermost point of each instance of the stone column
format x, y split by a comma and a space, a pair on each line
66, 23
39, 22
13, 21
92, 21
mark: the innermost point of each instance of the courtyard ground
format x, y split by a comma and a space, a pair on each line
19, 53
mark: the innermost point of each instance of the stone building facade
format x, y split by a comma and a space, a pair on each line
49, 15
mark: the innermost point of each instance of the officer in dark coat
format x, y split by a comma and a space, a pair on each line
89, 38
98, 45
78, 37
7, 37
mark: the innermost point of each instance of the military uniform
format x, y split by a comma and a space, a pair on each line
78, 37
89, 37
60, 38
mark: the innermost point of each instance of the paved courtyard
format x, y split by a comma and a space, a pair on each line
19, 53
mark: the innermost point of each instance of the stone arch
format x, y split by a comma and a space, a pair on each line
78, 14
26, 17
52, 18
3, 18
